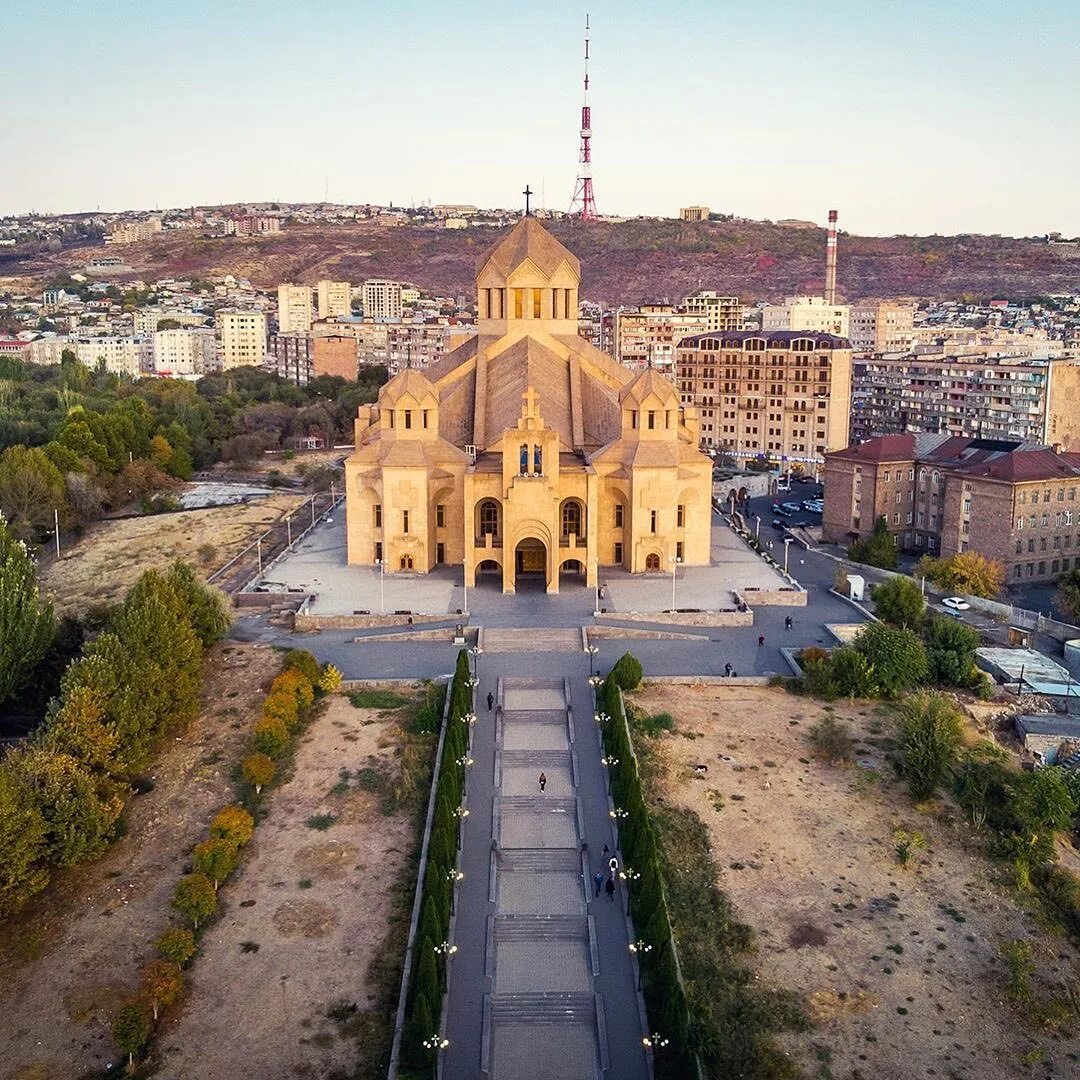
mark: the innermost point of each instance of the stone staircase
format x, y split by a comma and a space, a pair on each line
539, 860
531, 640
579, 1008
546, 759
537, 804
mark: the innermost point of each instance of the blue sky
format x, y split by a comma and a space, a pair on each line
907, 116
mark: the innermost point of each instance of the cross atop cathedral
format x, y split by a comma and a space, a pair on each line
529, 397
527, 193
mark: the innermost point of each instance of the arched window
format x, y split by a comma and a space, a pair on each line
489, 518
406, 562
571, 518
652, 562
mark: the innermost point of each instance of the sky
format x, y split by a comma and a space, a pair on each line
908, 116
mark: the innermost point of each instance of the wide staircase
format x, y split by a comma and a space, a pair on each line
529, 640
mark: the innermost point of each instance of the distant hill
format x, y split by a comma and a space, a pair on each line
624, 263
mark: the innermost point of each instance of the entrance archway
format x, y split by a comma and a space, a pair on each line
652, 561
530, 564
572, 571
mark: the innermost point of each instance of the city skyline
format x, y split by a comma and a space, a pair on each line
926, 115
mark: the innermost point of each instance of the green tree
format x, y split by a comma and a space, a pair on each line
626, 673
27, 625
899, 602
195, 898
897, 657
966, 572
851, 674
1042, 802
878, 549
258, 770
22, 841
31, 488
931, 730
76, 726
131, 1031
77, 437
270, 737
950, 648
1068, 593
202, 605
177, 945
216, 858
79, 809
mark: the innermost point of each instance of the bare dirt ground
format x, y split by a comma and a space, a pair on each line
899, 967
102, 566
281, 984
71, 959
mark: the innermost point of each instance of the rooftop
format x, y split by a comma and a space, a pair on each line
780, 339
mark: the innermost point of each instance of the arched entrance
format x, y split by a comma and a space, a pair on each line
652, 561
530, 565
572, 571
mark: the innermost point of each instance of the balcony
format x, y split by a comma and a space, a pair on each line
488, 541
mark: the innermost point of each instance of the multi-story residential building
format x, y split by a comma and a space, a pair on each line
295, 310
784, 395
147, 319
694, 213
335, 298
371, 337
183, 354
15, 349
1010, 501
1030, 401
289, 355
649, 336
131, 356
382, 299
881, 326
252, 225
806, 313
132, 232
723, 312
417, 345
334, 354
242, 338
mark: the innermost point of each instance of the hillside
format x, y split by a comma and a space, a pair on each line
623, 263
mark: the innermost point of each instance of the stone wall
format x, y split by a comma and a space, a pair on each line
307, 622
687, 618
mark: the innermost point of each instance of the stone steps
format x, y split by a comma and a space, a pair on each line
544, 1008
531, 640
541, 928
540, 804
551, 759
537, 860
535, 716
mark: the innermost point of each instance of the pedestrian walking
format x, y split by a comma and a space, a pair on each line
727, 670
598, 881
734, 673
613, 865
787, 622
543, 781
760, 640
609, 888
606, 852
491, 700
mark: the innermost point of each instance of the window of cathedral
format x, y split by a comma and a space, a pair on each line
571, 518
618, 517
489, 518
519, 303
536, 295
405, 521
652, 419
440, 516
424, 415
408, 419
618, 552
378, 552
652, 561
652, 521
679, 550
376, 513
633, 418
680, 516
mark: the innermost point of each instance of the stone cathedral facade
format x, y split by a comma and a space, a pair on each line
527, 452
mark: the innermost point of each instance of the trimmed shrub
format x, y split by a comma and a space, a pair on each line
195, 898
216, 858
330, 679
233, 823
301, 660
271, 737
258, 770
176, 945
627, 672
282, 705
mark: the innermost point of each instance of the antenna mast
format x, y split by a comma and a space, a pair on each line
584, 204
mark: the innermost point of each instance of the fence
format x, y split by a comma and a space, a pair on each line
265, 550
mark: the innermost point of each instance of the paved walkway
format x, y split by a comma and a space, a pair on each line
542, 985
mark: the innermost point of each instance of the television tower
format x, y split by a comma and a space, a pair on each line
584, 203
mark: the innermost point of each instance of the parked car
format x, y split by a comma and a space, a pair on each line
955, 603
778, 524
794, 507
805, 480
810, 504
783, 511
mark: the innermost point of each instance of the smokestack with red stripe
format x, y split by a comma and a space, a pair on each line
830, 260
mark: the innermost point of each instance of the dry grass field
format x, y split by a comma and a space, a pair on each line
899, 966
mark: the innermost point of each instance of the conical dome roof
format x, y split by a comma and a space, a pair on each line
529, 241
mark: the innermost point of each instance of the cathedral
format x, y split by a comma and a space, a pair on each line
527, 453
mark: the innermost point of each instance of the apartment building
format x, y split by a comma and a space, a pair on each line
334, 299
147, 319
417, 345
650, 336
784, 395
881, 326
295, 309
242, 338
812, 313
382, 299
334, 354
1029, 401
289, 355
183, 354
722, 312
130, 356
252, 225
133, 232
1011, 501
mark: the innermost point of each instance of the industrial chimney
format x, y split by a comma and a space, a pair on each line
830, 261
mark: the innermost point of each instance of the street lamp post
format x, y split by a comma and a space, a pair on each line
453, 876
609, 763
592, 650
475, 652
435, 1045
639, 948
628, 877
675, 560
381, 564
787, 542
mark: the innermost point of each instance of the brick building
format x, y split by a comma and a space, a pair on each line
1011, 501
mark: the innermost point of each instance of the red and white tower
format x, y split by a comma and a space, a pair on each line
584, 204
